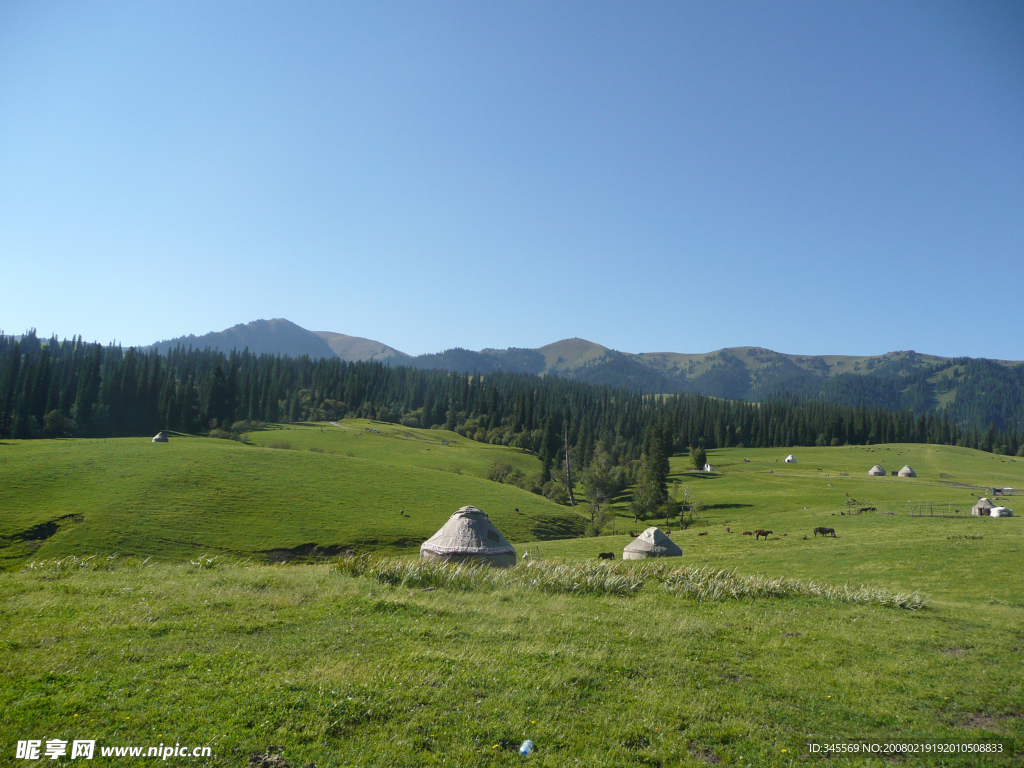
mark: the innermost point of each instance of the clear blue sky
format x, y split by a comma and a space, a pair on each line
810, 177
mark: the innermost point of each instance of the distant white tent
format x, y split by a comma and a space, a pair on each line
1001, 512
907, 471
469, 536
791, 459
709, 467
983, 508
161, 437
651, 543
877, 471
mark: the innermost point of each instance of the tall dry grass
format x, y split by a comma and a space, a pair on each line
619, 579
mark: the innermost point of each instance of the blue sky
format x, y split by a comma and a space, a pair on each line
816, 178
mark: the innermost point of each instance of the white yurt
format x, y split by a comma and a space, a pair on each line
709, 467
1001, 512
651, 543
469, 536
161, 437
877, 471
907, 471
983, 508
791, 459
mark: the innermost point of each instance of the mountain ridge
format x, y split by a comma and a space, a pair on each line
977, 390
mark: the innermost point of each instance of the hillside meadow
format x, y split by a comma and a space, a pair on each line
198, 495
739, 653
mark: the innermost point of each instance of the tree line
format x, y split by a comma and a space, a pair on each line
56, 388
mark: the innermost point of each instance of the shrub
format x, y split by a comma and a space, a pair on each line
501, 471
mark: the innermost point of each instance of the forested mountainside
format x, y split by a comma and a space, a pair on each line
970, 392
53, 388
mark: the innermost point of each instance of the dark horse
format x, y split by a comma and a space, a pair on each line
607, 556
761, 532
825, 532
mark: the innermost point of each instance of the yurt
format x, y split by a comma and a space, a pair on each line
907, 471
709, 467
161, 437
651, 543
469, 536
982, 508
877, 471
791, 459
1000, 512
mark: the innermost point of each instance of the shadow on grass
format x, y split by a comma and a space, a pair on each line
727, 506
695, 476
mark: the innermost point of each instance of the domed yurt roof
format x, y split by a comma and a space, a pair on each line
161, 437
469, 536
791, 459
1000, 512
877, 471
651, 543
982, 508
907, 471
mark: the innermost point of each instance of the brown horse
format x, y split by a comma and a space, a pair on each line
761, 532
607, 556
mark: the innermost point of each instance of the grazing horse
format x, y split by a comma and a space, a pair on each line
761, 532
606, 556
825, 532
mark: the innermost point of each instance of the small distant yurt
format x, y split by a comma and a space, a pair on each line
1000, 512
469, 536
983, 508
651, 543
877, 471
161, 437
709, 467
791, 459
907, 471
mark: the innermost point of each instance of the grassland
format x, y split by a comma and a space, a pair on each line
346, 667
344, 671
343, 488
894, 551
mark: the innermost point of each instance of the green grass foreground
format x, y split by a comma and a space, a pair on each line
388, 662
899, 629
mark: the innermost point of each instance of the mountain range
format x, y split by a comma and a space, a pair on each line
970, 390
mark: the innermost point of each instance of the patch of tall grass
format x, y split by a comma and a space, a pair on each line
619, 579
91, 563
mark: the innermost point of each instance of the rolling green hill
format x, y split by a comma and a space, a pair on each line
335, 489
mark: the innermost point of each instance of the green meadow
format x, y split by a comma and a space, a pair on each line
340, 489
384, 662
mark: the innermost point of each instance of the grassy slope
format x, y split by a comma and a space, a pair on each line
196, 495
399, 445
